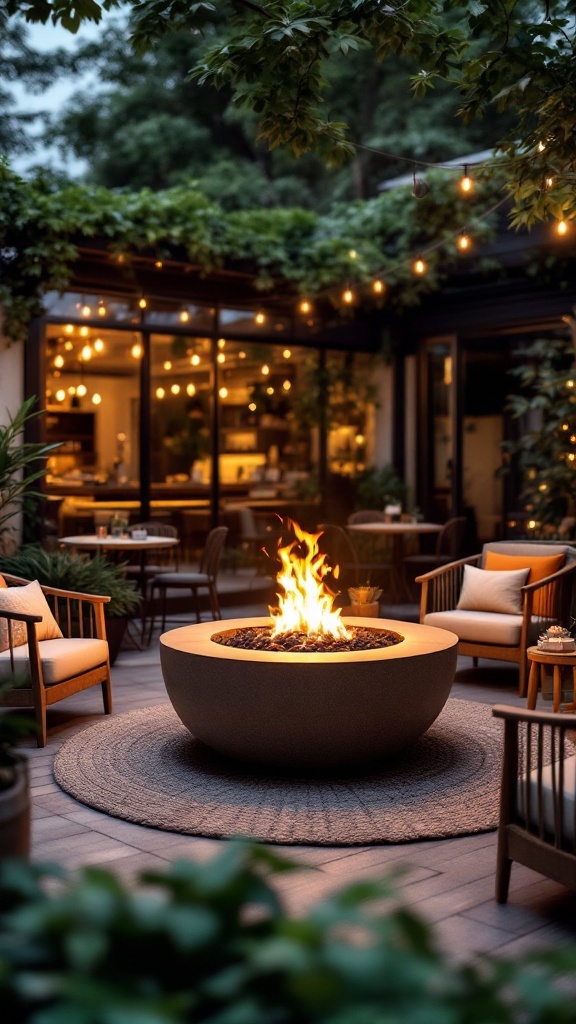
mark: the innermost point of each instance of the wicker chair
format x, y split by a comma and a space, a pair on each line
494, 636
56, 668
537, 800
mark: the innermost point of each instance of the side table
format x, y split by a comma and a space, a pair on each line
539, 660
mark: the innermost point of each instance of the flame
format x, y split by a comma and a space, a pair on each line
306, 604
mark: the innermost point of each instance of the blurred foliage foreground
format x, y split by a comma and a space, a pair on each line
212, 943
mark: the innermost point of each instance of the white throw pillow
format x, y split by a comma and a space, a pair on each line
31, 600
485, 590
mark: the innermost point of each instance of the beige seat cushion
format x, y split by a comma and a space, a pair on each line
479, 627
30, 600
569, 791
61, 659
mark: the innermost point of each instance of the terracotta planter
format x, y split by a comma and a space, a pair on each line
15, 815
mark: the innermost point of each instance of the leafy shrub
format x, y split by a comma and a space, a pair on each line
72, 572
376, 488
210, 943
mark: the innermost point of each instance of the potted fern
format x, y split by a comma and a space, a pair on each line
22, 464
71, 572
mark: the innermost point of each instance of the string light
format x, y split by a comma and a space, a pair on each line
86, 311
269, 391
562, 227
195, 359
242, 354
101, 308
287, 353
96, 398
175, 389
265, 370
136, 350
287, 385
184, 316
378, 286
353, 254
160, 392
69, 329
221, 342
221, 357
466, 184
260, 317
71, 390
158, 264
98, 345
252, 406
60, 395
419, 266
68, 346
190, 389
86, 353
81, 390
142, 303
305, 306
167, 365
84, 332
223, 392
463, 242
348, 296
59, 361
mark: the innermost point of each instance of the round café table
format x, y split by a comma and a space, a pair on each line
115, 545
398, 531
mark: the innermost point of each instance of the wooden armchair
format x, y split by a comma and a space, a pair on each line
537, 825
505, 637
49, 670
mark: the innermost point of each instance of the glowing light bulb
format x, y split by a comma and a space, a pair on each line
221, 357
463, 242
142, 303
569, 383
175, 389
359, 439
195, 359
68, 345
86, 311
86, 353
59, 361
252, 406
69, 329
561, 227
378, 287
98, 345
242, 354
81, 390
531, 524
158, 264
184, 316
101, 308
352, 254
287, 385
565, 426
167, 364
419, 266
305, 306
347, 296
260, 318
287, 353
465, 184
221, 342
96, 398
223, 392
265, 370
190, 389
136, 350
84, 332
160, 392
269, 391
71, 390
60, 395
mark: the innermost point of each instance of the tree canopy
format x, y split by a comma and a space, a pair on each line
275, 58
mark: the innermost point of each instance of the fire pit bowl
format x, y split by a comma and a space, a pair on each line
308, 709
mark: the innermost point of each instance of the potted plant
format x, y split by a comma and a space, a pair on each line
22, 463
72, 572
211, 942
14, 784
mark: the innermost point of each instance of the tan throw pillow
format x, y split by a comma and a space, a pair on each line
31, 600
484, 590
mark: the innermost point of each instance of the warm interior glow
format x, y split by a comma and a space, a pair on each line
305, 606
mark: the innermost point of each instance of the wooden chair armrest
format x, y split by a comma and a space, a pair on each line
564, 571
75, 595
20, 616
448, 567
514, 714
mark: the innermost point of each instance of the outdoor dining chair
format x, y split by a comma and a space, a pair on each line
204, 579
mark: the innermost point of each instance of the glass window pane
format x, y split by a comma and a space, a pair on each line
181, 381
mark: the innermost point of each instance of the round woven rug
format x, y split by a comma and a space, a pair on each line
145, 767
